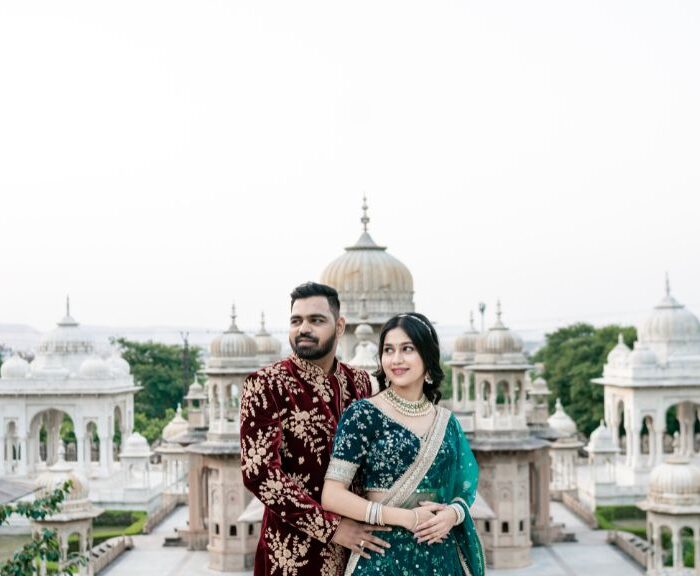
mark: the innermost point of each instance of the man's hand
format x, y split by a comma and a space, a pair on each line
359, 537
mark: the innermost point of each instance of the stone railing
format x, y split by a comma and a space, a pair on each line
634, 546
578, 508
108, 551
160, 514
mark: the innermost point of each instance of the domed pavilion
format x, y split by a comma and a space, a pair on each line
673, 518
661, 372
373, 286
70, 377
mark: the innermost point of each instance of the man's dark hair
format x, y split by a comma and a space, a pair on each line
309, 289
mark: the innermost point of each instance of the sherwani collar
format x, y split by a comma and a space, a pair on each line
314, 370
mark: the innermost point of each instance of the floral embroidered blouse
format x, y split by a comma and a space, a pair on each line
381, 454
289, 414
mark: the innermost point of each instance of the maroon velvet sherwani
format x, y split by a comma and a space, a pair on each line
289, 414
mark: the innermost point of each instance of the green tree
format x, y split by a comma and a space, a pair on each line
573, 356
152, 428
158, 368
43, 547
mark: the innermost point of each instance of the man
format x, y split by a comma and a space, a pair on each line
289, 414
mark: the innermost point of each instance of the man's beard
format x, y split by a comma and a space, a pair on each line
315, 351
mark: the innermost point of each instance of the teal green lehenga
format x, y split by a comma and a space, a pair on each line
391, 459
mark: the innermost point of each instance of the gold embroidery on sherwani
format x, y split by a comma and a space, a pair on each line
289, 412
287, 552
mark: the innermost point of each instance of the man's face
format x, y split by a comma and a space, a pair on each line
313, 330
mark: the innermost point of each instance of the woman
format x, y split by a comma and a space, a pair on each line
412, 462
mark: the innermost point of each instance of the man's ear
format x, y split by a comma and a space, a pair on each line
340, 326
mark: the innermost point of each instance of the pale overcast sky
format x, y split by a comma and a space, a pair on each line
159, 159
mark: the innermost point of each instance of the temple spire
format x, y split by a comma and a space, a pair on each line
365, 217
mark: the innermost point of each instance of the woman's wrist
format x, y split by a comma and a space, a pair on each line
398, 517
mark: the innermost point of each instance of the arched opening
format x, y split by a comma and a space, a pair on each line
687, 548
47, 430
486, 395
666, 546
204, 498
92, 442
117, 433
644, 441
12, 449
472, 387
517, 397
503, 398
621, 429
69, 439
460, 385
672, 426
76, 543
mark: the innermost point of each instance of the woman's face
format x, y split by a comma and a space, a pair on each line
401, 362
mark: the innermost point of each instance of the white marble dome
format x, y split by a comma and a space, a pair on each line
499, 339
466, 342
364, 332
57, 474
642, 356
233, 343
601, 440
561, 421
266, 344
118, 365
94, 368
177, 426
14, 367
675, 481
67, 338
136, 446
370, 281
669, 322
620, 353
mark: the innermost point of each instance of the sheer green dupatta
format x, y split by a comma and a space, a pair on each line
461, 486
464, 476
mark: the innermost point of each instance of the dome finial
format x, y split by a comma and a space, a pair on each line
668, 285
471, 321
365, 217
67, 305
499, 312
262, 321
233, 327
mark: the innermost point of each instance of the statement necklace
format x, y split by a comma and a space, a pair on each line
420, 407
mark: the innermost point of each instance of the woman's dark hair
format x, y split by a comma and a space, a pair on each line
424, 337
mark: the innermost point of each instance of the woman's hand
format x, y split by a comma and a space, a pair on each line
437, 528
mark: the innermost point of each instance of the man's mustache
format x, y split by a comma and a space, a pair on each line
305, 337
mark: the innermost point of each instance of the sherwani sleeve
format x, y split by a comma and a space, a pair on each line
261, 465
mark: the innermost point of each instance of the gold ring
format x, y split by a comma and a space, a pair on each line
362, 544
